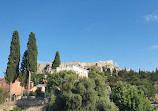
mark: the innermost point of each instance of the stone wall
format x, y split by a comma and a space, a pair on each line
46, 68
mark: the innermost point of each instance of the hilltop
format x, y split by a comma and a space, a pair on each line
101, 65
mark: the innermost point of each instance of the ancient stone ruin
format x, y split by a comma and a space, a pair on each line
101, 65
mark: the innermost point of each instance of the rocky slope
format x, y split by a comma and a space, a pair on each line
101, 65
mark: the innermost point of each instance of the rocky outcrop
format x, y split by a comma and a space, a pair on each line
44, 68
101, 65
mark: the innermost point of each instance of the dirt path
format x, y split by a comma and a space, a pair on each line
7, 106
10, 105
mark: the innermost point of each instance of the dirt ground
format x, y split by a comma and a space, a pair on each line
7, 106
10, 105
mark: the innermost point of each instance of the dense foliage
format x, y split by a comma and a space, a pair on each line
3, 95
32, 53
24, 73
39, 93
129, 98
29, 60
144, 80
74, 94
56, 61
12, 70
38, 79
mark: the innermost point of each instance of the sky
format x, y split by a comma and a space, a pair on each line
125, 31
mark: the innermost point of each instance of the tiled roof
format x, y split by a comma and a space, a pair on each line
2, 79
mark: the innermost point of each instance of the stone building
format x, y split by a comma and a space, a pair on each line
101, 65
80, 71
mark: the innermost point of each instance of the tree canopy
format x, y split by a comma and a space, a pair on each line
74, 94
129, 98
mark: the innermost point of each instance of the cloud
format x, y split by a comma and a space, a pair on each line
153, 47
151, 17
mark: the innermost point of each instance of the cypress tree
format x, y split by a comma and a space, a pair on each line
23, 69
31, 58
32, 53
56, 61
12, 70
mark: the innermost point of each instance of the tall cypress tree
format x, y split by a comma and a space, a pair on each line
56, 61
32, 53
31, 58
12, 70
23, 69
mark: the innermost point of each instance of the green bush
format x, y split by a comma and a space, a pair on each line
3, 95
17, 109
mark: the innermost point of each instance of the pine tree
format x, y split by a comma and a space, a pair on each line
32, 53
56, 61
12, 70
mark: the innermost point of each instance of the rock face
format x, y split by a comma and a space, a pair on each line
101, 65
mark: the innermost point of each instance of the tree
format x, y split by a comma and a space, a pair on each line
31, 57
38, 79
147, 87
129, 98
12, 70
24, 74
56, 61
32, 53
79, 94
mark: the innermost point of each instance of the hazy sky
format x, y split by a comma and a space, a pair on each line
125, 31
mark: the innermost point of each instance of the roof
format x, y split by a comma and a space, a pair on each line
40, 85
2, 79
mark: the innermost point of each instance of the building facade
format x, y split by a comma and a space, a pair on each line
17, 89
80, 71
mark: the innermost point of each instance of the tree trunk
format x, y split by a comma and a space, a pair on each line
28, 90
10, 91
22, 92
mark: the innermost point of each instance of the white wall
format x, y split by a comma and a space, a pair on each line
80, 71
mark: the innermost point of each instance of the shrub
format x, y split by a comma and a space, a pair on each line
17, 109
3, 95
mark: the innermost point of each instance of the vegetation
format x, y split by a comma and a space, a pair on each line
38, 79
17, 109
129, 98
12, 70
24, 73
32, 53
56, 61
73, 93
143, 80
29, 61
39, 93
3, 95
